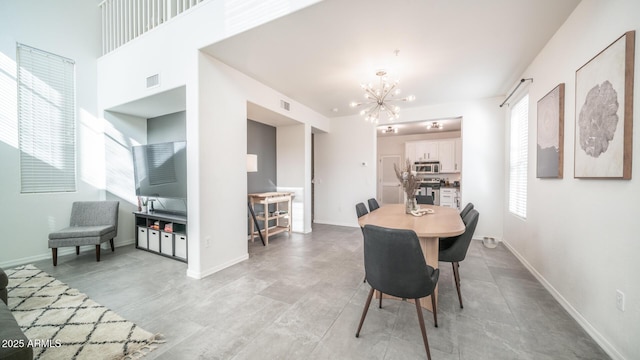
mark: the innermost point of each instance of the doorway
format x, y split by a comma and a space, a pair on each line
390, 189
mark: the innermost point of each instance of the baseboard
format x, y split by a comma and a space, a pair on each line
323, 222
593, 332
61, 252
201, 275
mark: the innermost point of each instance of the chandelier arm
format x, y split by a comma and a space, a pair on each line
372, 93
384, 95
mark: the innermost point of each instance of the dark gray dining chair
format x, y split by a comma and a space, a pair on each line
395, 265
424, 199
466, 210
361, 210
373, 204
454, 249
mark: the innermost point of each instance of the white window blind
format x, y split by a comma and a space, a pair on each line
518, 162
46, 117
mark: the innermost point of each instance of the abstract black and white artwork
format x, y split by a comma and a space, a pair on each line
604, 112
550, 149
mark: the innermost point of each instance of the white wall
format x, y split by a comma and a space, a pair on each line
293, 148
216, 103
29, 218
342, 181
580, 236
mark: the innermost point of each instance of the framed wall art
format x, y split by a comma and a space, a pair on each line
550, 142
604, 113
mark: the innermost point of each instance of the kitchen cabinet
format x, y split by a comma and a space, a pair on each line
410, 151
447, 149
449, 197
450, 155
458, 156
421, 151
428, 150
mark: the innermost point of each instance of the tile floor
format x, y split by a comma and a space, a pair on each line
302, 296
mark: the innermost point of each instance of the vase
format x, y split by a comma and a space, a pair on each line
410, 205
144, 208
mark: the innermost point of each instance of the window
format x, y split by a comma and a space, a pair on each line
46, 118
518, 158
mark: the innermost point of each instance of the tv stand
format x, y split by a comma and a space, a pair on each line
162, 233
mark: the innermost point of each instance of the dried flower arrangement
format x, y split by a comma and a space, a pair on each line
408, 179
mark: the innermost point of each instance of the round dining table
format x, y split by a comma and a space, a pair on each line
439, 222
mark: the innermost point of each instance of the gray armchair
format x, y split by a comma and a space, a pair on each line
92, 223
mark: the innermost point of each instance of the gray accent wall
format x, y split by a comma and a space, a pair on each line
261, 140
167, 128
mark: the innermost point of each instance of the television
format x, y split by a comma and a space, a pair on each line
160, 170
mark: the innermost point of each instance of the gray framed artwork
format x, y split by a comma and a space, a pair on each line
604, 113
550, 142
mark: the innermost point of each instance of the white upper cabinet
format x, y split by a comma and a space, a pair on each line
458, 165
447, 155
421, 150
447, 151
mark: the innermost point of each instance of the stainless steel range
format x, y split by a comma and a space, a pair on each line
431, 186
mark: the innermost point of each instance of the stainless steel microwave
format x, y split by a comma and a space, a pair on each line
426, 167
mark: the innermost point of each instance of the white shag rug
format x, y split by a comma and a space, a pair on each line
63, 323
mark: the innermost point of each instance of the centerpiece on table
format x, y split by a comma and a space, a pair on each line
410, 184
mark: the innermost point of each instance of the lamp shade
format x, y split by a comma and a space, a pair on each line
252, 163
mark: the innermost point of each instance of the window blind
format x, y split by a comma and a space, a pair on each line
46, 117
518, 161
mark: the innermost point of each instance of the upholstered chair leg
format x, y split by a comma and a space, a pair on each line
98, 253
112, 248
77, 250
422, 328
435, 309
54, 254
364, 312
456, 278
380, 305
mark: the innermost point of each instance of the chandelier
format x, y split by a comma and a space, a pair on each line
380, 100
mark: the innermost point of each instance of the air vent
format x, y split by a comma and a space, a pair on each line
153, 81
285, 105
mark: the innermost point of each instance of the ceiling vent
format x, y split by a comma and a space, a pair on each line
285, 105
153, 81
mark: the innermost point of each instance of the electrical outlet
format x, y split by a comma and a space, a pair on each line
619, 300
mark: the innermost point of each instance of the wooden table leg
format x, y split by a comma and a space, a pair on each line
430, 250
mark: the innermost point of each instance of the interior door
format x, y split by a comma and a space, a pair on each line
389, 189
